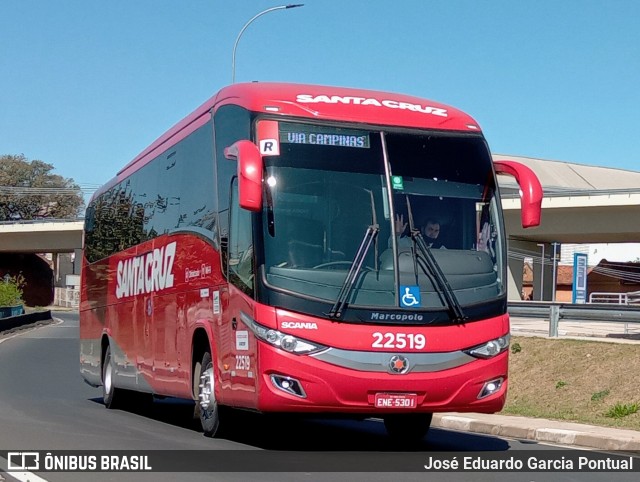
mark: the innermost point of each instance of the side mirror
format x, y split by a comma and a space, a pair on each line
530, 190
249, 173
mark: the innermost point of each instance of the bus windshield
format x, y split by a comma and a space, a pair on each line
347, 210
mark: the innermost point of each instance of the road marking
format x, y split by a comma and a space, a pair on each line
57, 323
21, 476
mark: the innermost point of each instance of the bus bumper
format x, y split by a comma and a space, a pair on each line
292, 383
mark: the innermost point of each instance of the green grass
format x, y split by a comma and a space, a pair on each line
599, 396
619, 410
571, 380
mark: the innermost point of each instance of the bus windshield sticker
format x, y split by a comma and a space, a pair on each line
397, 183
410, 297
242, 340
269, 147
268, 138
323, 136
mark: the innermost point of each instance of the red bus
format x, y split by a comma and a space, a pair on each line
269, 253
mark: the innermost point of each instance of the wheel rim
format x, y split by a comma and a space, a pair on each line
206, 395
107, 376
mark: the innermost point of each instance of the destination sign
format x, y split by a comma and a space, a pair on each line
323, 136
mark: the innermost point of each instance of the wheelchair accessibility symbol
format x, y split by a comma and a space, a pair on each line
410, 296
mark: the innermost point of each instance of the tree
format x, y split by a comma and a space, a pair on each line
28, 190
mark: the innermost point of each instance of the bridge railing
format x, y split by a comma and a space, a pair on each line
605, 297
556, 312
41, 221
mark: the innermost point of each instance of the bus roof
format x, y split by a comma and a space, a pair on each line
313, 102
345, 104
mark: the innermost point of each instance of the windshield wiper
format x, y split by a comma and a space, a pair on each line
452, 302
434, 270
354, 270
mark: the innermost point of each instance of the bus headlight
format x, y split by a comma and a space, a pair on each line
490, 348
286, 342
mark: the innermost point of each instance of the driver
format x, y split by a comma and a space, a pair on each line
430, 232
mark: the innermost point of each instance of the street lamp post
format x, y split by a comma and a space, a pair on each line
542, 273
235, 45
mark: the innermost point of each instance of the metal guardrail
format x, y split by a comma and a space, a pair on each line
554, 312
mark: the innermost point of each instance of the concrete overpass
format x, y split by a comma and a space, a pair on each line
582, 204
55, 236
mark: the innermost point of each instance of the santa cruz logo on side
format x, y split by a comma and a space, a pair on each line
146, 273
391, 104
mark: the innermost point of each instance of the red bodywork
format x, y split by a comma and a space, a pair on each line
154, 330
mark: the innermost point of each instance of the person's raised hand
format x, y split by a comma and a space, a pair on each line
400, 224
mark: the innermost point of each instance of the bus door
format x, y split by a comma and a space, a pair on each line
240, 349
240, 345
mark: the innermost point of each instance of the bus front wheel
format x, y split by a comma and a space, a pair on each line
408, 427
207, 404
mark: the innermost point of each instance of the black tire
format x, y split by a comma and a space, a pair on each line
120, 398
410, 427
207, 407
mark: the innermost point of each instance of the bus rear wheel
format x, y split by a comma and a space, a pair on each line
120, 398
206, 403
409, 426
111, 396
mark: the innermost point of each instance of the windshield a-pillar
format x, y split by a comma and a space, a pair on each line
338, 217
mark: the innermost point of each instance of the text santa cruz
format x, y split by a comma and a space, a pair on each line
389, 103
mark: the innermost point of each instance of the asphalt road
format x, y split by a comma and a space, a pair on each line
45, 405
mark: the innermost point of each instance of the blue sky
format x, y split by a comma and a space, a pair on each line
86, 85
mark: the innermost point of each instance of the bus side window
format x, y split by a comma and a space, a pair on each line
240, 248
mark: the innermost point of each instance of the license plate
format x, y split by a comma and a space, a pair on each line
396, 400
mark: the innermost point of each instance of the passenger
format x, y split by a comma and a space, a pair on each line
486, 239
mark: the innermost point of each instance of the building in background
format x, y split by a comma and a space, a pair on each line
608, 281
